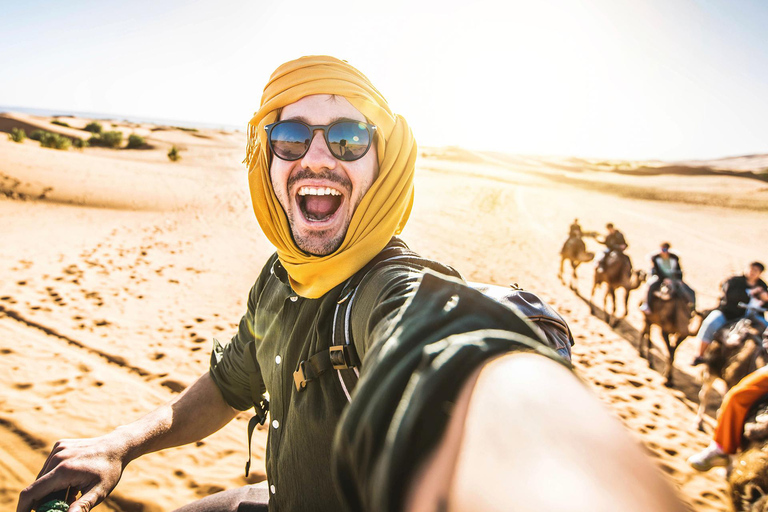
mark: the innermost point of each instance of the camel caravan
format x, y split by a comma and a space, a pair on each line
733, 338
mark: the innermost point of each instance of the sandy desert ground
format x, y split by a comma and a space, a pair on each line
118, 268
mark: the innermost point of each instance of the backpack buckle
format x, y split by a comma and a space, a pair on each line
300, 377
339, 356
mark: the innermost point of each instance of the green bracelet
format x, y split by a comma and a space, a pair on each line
53, 506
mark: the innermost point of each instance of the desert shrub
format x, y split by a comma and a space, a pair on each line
80, 143
17, 135
135, 141
60, 123
185, 129
112, 139
93, 127
107, 139
55, 141
36, 135
173, 154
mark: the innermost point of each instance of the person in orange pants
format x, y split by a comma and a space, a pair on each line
730, 421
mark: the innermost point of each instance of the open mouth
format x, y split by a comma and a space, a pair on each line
318, 204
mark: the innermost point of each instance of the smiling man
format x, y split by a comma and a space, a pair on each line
320, 185
448, 378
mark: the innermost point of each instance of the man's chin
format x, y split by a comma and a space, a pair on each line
317, 244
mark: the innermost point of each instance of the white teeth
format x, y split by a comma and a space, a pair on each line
318, 191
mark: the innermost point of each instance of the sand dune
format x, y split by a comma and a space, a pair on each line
119, 267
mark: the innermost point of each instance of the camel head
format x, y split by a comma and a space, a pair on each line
637, 279
667, 290
740, 332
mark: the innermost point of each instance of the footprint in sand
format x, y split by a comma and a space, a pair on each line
668, 469
174, 385
23, 385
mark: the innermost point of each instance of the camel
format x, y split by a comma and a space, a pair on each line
735, 352
670, 310
748, 471
616, 273
575, 251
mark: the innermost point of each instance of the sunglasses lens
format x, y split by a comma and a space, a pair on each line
349, 140
290, 140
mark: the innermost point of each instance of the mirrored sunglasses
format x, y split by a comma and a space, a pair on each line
346, 140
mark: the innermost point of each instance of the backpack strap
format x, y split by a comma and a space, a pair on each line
342, 355
260, 403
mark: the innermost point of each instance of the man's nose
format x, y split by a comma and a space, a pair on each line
318, 156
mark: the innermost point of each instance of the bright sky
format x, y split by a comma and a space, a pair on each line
667, 79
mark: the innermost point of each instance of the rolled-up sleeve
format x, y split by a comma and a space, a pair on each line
231, 366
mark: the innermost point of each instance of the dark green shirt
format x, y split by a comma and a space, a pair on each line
288, 329
387, 323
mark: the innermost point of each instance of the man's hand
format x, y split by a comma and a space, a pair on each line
760, 294
94, 466
91, 466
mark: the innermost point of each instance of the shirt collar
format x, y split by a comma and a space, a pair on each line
279, 271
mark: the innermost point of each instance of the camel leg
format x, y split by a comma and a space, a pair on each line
626, 302
574, 278
560, 273
612, 314
591, 302
706, 387
645, 343
670, 361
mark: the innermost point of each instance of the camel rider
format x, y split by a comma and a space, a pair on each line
614, 241
730, 421
747, 288
575, 230
666, 265
574, 237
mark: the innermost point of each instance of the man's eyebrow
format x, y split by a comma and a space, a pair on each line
334, 120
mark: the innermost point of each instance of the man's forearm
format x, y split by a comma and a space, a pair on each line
178, 422
526, 432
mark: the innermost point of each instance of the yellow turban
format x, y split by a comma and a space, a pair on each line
386, 206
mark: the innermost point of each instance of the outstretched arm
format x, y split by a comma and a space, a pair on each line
526, 435
94, 466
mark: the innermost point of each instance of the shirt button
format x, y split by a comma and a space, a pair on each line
294, 298
278, 359
275, 423
272, 489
